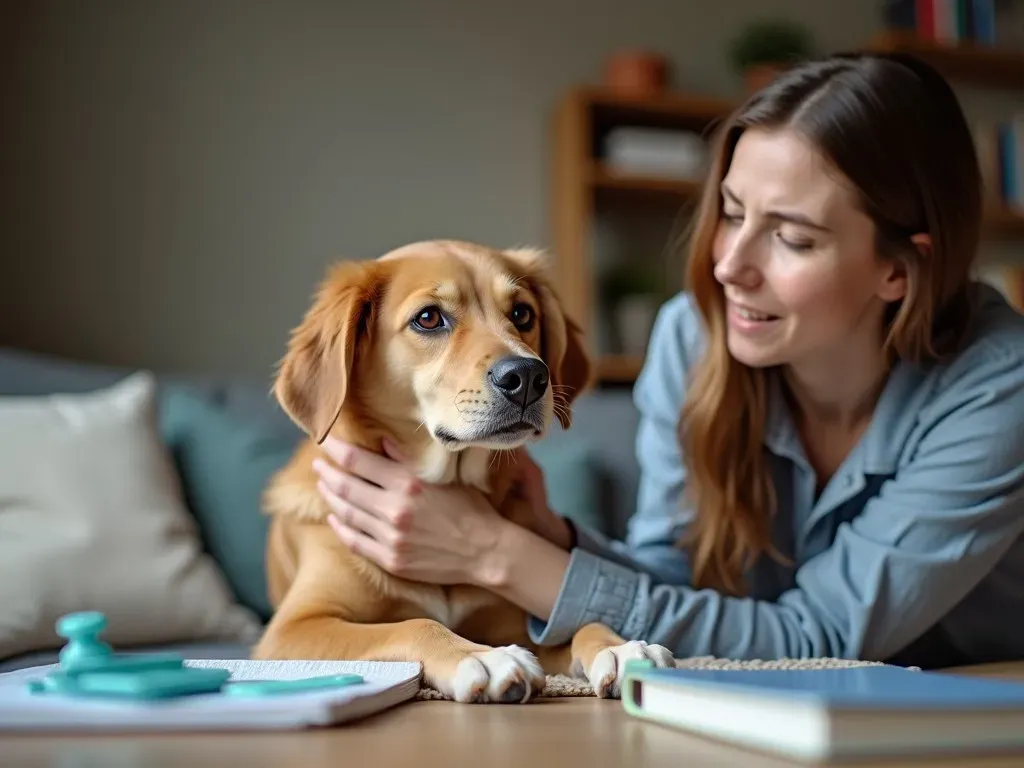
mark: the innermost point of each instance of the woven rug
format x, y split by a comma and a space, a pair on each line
560, 686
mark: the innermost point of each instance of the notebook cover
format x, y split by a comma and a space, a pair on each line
867, 687
387, 684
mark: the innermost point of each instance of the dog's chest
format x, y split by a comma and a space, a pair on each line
450, 606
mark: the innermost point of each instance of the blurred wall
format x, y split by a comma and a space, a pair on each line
176, 175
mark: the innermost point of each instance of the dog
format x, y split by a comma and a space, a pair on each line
454, 351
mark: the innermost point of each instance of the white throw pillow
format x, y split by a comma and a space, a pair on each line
92, 517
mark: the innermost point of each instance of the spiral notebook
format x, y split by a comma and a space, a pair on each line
386, 685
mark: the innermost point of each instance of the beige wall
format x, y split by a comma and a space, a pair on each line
217, 155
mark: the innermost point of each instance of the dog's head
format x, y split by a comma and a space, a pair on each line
464, 342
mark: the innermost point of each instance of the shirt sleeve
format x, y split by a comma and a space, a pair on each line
925, 541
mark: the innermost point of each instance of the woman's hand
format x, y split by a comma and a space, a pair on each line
416, 530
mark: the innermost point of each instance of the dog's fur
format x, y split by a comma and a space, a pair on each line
358, 369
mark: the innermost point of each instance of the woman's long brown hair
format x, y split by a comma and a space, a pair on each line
893, 127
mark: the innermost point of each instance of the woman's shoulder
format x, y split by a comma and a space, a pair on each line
995, 341
987, 373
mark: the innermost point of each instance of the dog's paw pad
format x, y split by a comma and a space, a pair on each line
509, 674
609, 665
515, 692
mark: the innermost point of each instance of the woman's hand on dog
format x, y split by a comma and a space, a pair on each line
421, 531
415, 530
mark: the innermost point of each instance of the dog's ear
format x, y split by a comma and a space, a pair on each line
564, 345
315, 375
565, 352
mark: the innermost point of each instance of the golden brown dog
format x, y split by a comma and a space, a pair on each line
454, 351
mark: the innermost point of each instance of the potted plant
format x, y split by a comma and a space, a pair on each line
766, 47
632, 295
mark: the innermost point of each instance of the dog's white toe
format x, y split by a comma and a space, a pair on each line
609, 666
509, 674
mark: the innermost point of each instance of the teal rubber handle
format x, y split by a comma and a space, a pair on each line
276, 687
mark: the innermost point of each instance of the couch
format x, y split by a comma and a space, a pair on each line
226, 435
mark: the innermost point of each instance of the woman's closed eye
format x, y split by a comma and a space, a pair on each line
796, 243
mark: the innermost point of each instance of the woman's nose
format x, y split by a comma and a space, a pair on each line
736, 259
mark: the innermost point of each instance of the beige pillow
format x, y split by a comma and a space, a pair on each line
92, 517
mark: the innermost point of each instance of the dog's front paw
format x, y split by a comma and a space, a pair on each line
509, 674
609, 665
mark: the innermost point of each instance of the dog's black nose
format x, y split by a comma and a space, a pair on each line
523, 380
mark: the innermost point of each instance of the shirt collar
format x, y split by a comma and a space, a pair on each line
875, 452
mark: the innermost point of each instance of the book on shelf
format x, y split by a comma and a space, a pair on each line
1000, 148
985, 23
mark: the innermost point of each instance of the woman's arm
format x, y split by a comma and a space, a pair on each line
932, 534
525, 569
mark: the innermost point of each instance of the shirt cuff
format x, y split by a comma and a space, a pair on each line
592, 590
587, 539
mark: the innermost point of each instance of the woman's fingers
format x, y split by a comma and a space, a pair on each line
354, 517
361, 544
378, 469
392, 450
351, 488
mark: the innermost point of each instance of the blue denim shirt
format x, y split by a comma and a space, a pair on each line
913, 553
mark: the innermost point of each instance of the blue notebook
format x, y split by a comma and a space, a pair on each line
828, 714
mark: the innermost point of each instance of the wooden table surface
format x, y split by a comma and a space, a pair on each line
549, 732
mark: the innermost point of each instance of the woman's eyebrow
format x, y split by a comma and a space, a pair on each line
797, 218
791, 216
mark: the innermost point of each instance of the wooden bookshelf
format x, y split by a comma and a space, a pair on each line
982, 65
581, 184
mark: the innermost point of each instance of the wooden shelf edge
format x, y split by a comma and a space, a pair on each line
674, 103
988, 65
1004, 221
617, 369
601, 177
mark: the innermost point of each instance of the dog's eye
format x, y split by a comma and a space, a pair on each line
429, 319
522, 316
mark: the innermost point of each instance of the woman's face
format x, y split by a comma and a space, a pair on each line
796, 257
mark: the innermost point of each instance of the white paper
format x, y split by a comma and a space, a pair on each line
387, 684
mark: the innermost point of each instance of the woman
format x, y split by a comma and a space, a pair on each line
830, 441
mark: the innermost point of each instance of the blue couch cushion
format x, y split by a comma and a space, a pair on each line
225, 462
